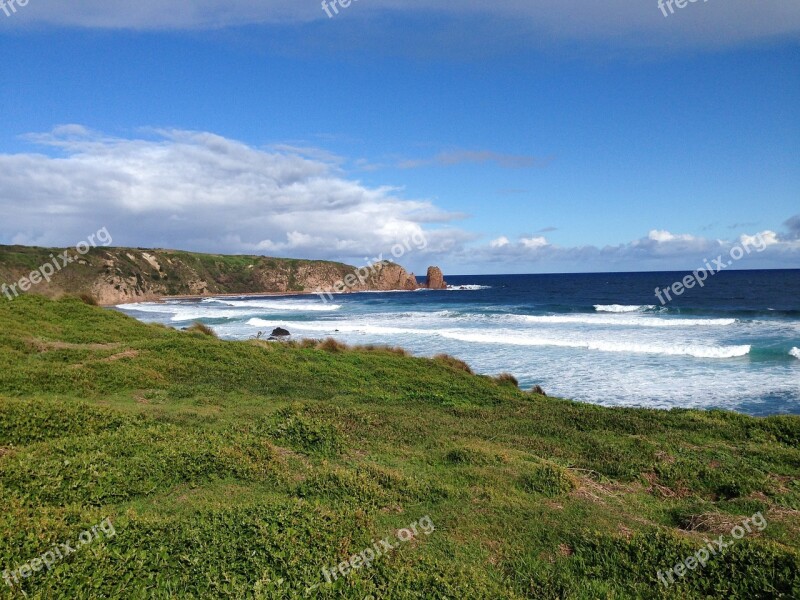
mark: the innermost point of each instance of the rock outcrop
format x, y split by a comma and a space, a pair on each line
436, 279
389, 276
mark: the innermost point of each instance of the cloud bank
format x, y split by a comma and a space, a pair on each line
659, 250
629, 22
199, 191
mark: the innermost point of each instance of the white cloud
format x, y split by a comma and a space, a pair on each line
534, 243
665, 236
765, 238
201, 191
499, 242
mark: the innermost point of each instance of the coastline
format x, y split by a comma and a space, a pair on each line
161, 299
229, 295
539, 328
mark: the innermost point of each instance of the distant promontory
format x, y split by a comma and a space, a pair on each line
119, 275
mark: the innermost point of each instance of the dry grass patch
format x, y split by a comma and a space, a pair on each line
453, 363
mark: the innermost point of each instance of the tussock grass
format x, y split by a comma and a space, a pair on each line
380, 348
453, 363
507, 379
88, 299
332, 345
202, 329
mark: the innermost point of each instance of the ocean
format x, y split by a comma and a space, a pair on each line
601, 338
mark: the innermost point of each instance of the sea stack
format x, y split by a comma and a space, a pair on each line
436, 279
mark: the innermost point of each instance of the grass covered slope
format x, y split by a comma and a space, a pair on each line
240, 470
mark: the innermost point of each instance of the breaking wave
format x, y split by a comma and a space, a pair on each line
624, 321
468, 287
280, 306
694, 350
624, 308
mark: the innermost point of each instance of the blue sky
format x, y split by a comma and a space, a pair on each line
571, 136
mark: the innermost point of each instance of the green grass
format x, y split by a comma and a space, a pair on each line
240, 470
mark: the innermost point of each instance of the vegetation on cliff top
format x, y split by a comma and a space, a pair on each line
241, 469
116, 275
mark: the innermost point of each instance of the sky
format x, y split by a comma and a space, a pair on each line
512, 136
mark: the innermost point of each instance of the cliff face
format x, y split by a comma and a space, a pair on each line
390, 276
120, 275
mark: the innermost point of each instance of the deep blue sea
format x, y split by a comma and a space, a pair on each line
600, 338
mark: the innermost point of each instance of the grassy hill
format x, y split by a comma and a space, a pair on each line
117, 275
241, 470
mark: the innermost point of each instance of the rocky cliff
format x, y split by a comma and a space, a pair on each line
390, 276
119, 275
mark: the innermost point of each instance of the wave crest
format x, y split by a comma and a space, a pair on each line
278, 305
623, 321
470, 287
624, 308
693, 350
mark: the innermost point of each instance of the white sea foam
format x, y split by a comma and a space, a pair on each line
468, 287
424, 317
197, 313
623, 321
795, 352
450, 317
331, 327
280, 306
516, 339
161, 307
181, 312
224, 309
624, 308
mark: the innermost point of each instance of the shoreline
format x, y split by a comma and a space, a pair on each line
162, 299
229, 295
